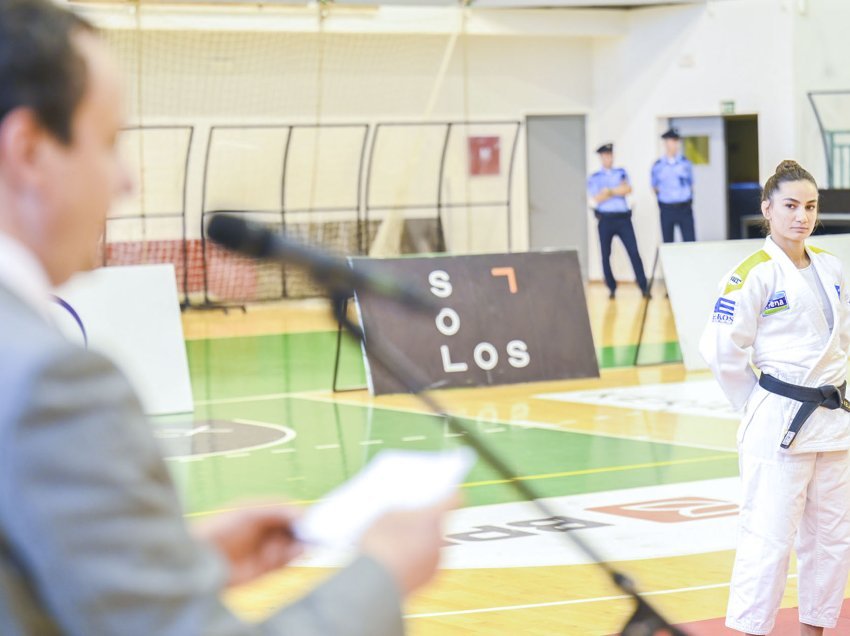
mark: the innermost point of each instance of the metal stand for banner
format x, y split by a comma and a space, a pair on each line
646, 300
341, 311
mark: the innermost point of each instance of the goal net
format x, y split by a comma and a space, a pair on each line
357, 140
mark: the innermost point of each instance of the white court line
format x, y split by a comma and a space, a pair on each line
371, 442
524, 423
414, 438
288, 436
577, 601
633, 438
250, 398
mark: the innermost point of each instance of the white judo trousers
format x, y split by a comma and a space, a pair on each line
786, 496
768, 315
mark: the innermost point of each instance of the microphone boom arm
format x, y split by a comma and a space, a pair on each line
645, 621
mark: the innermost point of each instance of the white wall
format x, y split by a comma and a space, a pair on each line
822, 49
681, 61
211, 77
627, 70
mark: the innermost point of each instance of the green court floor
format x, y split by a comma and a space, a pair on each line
258, 432
285, 363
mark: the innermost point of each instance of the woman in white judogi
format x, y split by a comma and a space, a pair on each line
778, 344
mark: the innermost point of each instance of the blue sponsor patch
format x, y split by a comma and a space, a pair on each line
778, 302
838, 291
724, 310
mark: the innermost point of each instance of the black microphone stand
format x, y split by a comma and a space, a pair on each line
645, 621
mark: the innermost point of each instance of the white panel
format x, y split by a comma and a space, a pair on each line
156, 159
405, 166
245, 168
323, 167
693, 272
132, 316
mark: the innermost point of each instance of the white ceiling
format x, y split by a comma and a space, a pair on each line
518, 4
584, 4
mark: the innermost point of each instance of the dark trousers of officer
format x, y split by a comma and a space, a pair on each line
613, 224
673, 214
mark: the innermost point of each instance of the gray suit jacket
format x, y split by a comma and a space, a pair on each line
92, 537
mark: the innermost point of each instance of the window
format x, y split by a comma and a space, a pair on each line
695, 149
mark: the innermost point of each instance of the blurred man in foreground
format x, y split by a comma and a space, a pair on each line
92, 537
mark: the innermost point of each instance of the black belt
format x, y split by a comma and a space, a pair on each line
828, 396
619, 216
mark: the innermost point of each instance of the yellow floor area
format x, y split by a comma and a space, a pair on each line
571, 599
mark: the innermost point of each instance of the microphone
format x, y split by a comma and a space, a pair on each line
259, 241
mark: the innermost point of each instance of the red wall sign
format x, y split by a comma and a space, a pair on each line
484, 156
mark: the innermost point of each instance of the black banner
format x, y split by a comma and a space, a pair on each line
501, 319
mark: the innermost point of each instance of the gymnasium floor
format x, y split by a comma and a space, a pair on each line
640, 461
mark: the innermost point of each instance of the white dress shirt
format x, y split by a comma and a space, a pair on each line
22, 274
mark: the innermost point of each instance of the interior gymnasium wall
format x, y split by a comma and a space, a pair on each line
822, 49
205, 78
684, 61
625, 69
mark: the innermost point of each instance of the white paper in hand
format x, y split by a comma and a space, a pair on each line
393, 480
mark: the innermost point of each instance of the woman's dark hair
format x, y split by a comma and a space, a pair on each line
40, 67
788, 170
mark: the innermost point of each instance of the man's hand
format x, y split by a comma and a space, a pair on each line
254, 541
408, 543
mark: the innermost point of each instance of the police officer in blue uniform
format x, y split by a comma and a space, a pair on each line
608, 188
673, 182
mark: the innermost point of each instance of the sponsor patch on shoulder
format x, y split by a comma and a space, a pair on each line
838, 291
778, 302
734, 279
724, 310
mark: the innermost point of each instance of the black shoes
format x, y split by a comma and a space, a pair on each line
645, 293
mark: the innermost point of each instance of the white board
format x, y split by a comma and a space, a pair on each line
132, 316
693, 272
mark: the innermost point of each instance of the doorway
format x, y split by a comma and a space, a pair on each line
725, 153
742, 174
557, 170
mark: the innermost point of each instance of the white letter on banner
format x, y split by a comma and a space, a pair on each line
440, 285
448, 365
448, 322
518, 356
492, 358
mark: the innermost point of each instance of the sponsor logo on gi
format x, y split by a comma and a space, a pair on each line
778, 302
735, 280
838, 291
724, 311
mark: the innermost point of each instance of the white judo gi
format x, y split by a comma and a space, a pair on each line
768, 315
